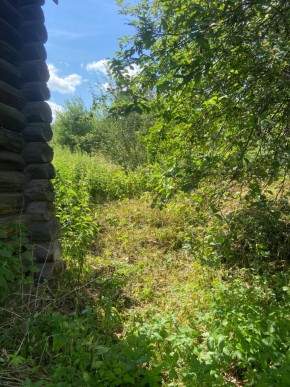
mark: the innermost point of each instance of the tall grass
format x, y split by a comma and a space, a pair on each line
81, 183
174, 296
103, 180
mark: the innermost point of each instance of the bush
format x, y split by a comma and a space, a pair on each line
75, 127
255, 233
81, 182
15, 260
89, 130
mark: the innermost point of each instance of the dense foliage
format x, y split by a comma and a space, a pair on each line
16, 263
220, 74
92, 130
193, 293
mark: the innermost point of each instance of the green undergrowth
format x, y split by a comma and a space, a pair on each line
100, 179
190, 294
81, 182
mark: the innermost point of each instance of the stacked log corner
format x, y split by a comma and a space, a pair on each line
26, 191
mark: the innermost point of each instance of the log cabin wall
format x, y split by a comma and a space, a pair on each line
26, 191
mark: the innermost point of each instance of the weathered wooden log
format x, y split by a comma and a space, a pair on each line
10, 74
6, 166
11, 161
44, 231
10, 13
40, 171
50, 270
37, 152
47, 251
40, 189
38, 132
11, 203
11, 118
10, 35
41, 211
11, 96
34, 71
32, 13
33, 31
11, 141
9, 53
29, 2
17, 218
36, 91
11, 181
37, 111
33, 51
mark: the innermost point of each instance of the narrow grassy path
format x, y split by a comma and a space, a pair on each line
148, 247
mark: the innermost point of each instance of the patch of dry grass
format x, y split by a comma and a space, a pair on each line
149, 247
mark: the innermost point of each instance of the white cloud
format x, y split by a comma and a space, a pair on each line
106, 86
65, 85
55, 108
133, 70
100, 66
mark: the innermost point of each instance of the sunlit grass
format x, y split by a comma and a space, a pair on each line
185, 295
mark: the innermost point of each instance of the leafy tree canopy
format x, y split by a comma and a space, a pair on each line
220, 74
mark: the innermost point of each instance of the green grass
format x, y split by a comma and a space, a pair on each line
102, 180
185, 295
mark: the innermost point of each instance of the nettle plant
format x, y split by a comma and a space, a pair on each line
16, 262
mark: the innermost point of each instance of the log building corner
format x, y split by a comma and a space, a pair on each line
26, 191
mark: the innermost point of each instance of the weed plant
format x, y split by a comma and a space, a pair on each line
81, 182
186, 295
16, 264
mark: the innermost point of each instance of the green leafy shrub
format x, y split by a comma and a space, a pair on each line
82, 182
76, 126
15, 260
92, 130
257, 232
75, 352
249, 330
102, 180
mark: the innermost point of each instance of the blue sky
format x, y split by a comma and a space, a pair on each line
82, 34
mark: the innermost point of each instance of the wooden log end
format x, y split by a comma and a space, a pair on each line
36, 91
38, 132
40, 171
47, 251
40, 211
40, 190
50, 270
37, 111
33, 31
34, 51
35, 71
44, 231
37, 152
